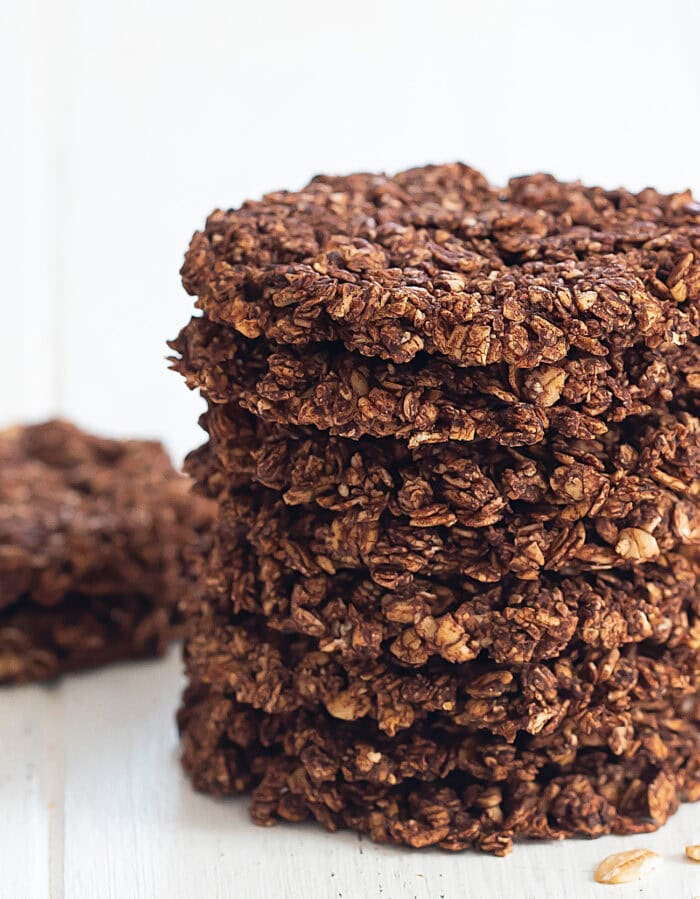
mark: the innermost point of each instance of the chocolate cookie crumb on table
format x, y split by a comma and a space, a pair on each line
451, 595
93, 538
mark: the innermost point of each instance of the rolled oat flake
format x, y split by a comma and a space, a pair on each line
626, 867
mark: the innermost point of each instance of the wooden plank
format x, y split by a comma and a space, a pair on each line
31, 791
121, 795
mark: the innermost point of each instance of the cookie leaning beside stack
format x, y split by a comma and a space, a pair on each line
451, 597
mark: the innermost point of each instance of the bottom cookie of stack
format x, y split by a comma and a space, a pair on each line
437, 783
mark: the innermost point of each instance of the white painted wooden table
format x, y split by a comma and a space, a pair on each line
93, 805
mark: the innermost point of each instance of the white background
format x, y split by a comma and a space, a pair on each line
123, 124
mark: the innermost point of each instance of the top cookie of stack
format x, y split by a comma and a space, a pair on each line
433, 307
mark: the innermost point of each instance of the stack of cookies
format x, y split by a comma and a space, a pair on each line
452, 594
93, 539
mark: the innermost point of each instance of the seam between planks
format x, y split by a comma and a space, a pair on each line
56, 793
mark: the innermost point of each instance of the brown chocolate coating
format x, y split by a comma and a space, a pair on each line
93, 534
451, 596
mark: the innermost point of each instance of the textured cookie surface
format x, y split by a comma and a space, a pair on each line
451, 596
92, 537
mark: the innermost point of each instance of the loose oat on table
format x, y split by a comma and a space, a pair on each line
451, 595
693, 852
626, 867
